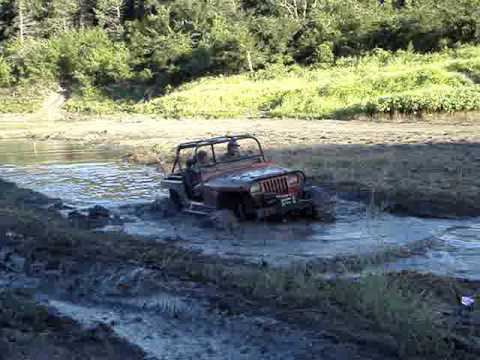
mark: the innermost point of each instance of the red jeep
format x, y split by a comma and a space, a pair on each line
202, 181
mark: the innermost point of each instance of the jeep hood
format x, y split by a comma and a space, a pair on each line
237, 180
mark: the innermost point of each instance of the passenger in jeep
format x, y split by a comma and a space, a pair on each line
202, 158
192, 174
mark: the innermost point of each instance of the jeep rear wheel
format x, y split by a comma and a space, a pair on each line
175, 200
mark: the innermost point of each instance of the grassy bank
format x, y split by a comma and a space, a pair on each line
382, 83
404, 315
22, 99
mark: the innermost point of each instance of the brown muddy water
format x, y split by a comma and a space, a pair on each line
83, 177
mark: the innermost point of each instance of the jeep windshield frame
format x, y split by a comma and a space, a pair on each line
196, 145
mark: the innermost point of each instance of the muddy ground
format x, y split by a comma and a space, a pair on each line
110, 295
423, 168
100, 294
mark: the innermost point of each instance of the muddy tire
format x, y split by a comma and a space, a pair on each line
244, 209
225, 220
166, 207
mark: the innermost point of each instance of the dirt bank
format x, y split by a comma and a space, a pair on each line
132, 285
424, 168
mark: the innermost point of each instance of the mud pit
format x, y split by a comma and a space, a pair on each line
166, 316
83, 178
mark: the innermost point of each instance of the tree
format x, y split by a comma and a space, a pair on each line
62, 15
109, 15
298, 9
66, 15
25, 22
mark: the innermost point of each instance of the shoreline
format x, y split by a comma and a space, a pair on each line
424, 169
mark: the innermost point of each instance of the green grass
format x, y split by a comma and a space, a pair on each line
21, 99
381, 83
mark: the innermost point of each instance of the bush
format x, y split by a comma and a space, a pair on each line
23, 99
5, 73
33, 60
94, 101
431, 100
383, 82
82, 58
91, 58
470, 67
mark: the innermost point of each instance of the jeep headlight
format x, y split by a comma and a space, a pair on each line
293, 179
255, 188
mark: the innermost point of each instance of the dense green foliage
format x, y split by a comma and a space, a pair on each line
111, 54
380, 83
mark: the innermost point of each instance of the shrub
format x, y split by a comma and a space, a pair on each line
91, 58
94, 101
430, 100
5, 73
22, 99
33, 60
82, 57
382, 82
470, 67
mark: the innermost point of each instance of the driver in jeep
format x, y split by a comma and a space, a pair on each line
233, 151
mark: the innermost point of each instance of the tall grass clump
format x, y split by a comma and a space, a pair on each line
220, 97
406, 316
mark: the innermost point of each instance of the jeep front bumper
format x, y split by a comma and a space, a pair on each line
282, 205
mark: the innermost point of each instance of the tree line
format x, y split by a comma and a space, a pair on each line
160, 43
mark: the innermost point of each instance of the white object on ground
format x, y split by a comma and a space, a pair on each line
467, 300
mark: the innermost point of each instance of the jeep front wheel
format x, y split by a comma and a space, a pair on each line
244, 209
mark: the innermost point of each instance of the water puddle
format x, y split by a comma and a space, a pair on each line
84, 177
457, 255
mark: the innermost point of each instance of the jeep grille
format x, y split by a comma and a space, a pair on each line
278, 185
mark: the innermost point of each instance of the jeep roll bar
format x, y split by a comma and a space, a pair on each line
211, 142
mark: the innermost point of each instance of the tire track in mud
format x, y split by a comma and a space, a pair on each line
178, 320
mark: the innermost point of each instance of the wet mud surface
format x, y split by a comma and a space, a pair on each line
427, 168
130, 298
126, 306
139, 312
84, 178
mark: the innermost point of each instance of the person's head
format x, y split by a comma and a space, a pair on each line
202, 157
233, 148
